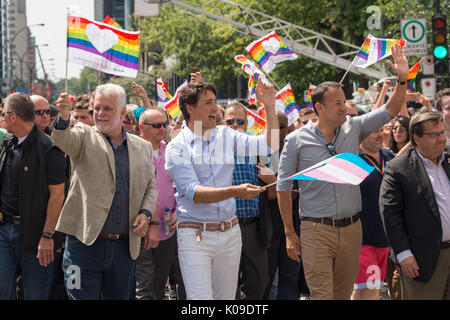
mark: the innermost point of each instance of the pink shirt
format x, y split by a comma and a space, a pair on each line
166, 190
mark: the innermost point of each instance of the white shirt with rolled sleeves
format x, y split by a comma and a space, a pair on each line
193, 161
307, 146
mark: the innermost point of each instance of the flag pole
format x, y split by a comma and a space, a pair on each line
346, 72
67, 52
273, 82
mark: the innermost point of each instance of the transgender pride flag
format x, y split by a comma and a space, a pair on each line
374, 49
344, 168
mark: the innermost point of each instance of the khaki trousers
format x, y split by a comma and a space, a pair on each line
330, 259
438, 288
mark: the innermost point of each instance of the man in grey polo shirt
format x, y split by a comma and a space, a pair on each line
331, 246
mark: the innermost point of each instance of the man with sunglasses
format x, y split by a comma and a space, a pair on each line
200, 160
253, 268
415, 204
42, 112
32, 174
330, 231
156, 255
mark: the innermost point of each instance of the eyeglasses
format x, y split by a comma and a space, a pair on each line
41, 112
157, 125
5, 113
435, 135
239, 122
306, 121
331, 149
399, 129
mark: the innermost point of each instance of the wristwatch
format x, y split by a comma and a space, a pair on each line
401, 82
149, 216
47, 235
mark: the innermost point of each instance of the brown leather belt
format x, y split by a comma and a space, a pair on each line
208, 226
333, 222
112, 236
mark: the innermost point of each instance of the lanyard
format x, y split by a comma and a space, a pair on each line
374, 164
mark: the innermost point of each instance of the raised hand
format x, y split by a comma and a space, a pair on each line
400, 65
266, 94
64, 105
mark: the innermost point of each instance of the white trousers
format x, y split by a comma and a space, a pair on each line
210, 267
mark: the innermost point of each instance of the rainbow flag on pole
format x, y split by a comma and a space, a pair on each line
172, 106
112, 22
309, 100
285, 102
248, 66
256, 123
102, 47
373, 50
344, 168
163, 95
269, 50
412, 74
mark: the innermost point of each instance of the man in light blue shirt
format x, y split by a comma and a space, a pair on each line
201, 162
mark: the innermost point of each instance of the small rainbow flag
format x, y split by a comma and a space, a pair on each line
252, 81
256, 123
285, 102
102, 47
248, 66
412, 74
309, 100
163, 95
374, 49
112, 22
269, 50
172, 106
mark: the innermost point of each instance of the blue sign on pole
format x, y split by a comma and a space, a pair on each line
24, 90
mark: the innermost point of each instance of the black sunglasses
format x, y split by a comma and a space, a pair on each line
157, 125
282, 127
41, 112
5, 113
230, 122
332, 149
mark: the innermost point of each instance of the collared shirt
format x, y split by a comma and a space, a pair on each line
193, 161
10, 192
117, 221
245, 171
372, 226
441, 189
307, 146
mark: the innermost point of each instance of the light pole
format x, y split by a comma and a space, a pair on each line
11, 42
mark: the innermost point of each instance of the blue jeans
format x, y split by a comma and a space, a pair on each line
103, 270
36, 279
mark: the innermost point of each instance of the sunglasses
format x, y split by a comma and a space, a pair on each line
41, 112
157, 125
5, 113
239, 122
306, 121
282, 127
331, 149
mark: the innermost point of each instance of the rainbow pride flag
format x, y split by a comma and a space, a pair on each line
256, 123
412, 74
269, 50
172, 106
285, 102
374, 49
252, 81
163, 95
102, 47
112, 22
309, 100
248, 66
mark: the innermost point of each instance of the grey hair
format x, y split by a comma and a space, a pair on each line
113, 89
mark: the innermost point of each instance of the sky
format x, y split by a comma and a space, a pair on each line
54, 14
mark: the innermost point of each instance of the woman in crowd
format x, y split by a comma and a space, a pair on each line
399, 134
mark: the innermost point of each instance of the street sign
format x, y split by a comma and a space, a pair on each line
413, 31
428, 87
24, 90
428, 65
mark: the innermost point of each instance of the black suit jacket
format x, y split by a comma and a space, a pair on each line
410, 212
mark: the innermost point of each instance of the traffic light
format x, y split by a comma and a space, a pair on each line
440, 46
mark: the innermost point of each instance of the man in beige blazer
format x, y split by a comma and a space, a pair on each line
111, 198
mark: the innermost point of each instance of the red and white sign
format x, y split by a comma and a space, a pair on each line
428, 87
428, 65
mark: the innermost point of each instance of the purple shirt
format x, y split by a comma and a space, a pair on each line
166, 190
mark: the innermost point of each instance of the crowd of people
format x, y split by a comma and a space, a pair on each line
100, 199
